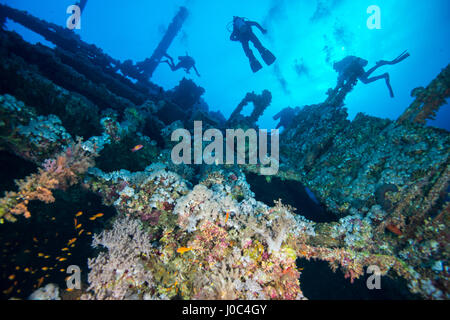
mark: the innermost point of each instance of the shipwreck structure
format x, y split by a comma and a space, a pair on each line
387, 181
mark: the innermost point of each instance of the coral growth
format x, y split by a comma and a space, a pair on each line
260, 103
428, 100
119, 273
59, 173
185, 231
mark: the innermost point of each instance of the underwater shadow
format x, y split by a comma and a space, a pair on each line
290, 192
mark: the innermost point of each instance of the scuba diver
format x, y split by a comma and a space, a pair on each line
186, 62
242, 32
351, 68
286, 116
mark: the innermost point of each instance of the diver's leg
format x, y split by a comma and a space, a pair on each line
267, 56
254, 64
399, 59
381, 63
385, 76
371, 70
388, 84
258, 45
248, 52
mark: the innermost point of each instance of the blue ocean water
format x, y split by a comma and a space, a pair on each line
305, 36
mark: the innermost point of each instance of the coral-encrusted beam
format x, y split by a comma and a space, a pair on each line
429, 99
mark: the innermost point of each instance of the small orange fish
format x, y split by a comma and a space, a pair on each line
40, 281
227, 216
137, 148
79, 213
75, 222
62, 270
78, 226
46, 257
65, 249
183, 250
80, 232
26, 269
44, 268
40, 254
35, 239
394, 229
62, 259
71, 241
98, 215
12, 277
8, 291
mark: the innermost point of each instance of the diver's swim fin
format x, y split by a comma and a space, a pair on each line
268, 57
255, 65
400, 58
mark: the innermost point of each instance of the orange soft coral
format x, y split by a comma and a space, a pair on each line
59, 173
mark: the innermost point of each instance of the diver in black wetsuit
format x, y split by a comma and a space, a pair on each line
286, 116
351, 68
186, 62
242, 32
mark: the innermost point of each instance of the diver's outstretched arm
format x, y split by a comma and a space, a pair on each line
195, 69
256, 24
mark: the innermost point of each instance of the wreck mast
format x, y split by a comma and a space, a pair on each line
149, 65
82, 5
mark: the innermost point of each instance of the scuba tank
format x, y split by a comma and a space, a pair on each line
240, 25
349, 64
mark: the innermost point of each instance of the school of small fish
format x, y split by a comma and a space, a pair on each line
46, 267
